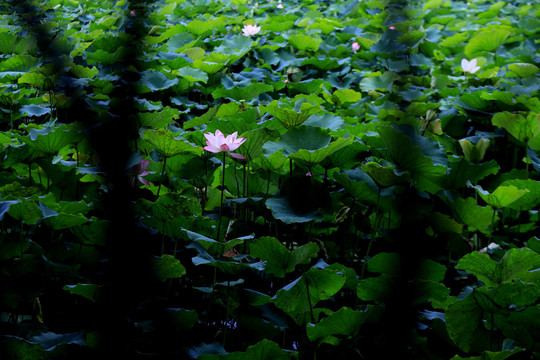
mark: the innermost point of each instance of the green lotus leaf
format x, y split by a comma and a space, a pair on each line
347, 96
235, 48
51, 140
252, 185
362, 187
26, 211
179, 42
279, 260
263, 350
168, 267
245, 93
474, 216
154, 81
310, 86
34, 110
376, 289
88, 291
308, 138
502, 196
384, 176
193, 75
158, 119
253, 146
168, 145
19, 64
198, 27
512, 294
282, 210
464, 323
523, 70
516, 264
420, 156
65, 220
324, 63
486, 40
299, 297
305, 42
345, 322
313, 157
530, 199
103, 57
523, 129
13, 44
462, 171
292, 113
213, 247
382, 82
457, 39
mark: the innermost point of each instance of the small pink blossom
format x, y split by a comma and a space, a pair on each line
218, 142
392, 27
469, 66
250, 30
132, 13
280, 5
355, 47
137, 171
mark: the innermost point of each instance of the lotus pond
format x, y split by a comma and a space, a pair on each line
292, 179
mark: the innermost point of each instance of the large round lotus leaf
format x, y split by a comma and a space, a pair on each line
168, 267
523, 129
88, 291
34, 110
474, 216
263, 350
530, 199
282, 210
167, 144
345, 321
313, 157
255, 139
502, 196
242, 93
300, 296
304, 42
465, 325
486, 40
193, 75
51, 140
386, 175
291, 114
301, 137
279, 260
155, 80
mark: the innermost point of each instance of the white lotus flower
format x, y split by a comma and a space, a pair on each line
469, 66
250, 30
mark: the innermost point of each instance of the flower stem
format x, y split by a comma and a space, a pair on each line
222, 196
162, 173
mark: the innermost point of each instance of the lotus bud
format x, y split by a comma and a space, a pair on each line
474, 153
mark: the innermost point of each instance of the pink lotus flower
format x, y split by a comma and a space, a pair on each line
218, 142
250, 30
137, 171
280, 5
355, 47
469, 66
392, 28
132, 13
